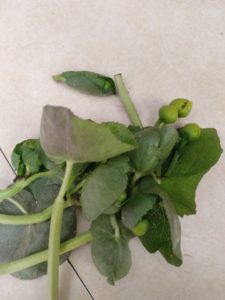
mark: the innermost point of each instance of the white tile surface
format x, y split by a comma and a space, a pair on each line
165, 49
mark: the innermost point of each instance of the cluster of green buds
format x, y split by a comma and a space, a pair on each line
178, 108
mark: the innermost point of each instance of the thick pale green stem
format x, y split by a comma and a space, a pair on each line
126, 101
55, 233
21, 184
37, 258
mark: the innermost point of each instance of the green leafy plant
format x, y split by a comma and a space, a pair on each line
128, 181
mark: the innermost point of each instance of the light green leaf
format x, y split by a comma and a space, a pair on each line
67, 137
137, 207
199, 156
195, 160
111, 255
103, 186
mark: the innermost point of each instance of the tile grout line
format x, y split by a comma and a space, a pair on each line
68, 260
8, 162
83, 283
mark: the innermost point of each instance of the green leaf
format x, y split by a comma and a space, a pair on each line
29, 158
168, 139
137, 207
164, 232
199, 156
121, 132
154, 146
67, 137
195, 160
146, 157
111, 255
103, 186
20, 241
161, 237
88, 82
25, 158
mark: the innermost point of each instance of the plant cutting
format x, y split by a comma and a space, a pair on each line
129, 181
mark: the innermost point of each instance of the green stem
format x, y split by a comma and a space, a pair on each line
21, 184
159, 124
55, 234
32, 218
77, 187
135, 178
37, 258
156, 179
115, 226
126, 101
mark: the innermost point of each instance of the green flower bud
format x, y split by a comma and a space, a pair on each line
168, 114
183, 106
141, 227
191, 132
121, 199
88, 82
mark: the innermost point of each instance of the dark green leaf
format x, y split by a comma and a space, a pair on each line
169, 240
154, 146
195, 160
25, 158
20, 241
146, 157
88, 82
168, 139
137, 207
111, 255
67, 137
121, 132
29, 158
159, 238
103, 186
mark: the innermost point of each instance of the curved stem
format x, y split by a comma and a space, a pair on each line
55, 234
126, 100
32, 218
21, 184
159, 124
37, 258
135, 178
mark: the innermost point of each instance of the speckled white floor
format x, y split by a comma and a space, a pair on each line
165, 49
